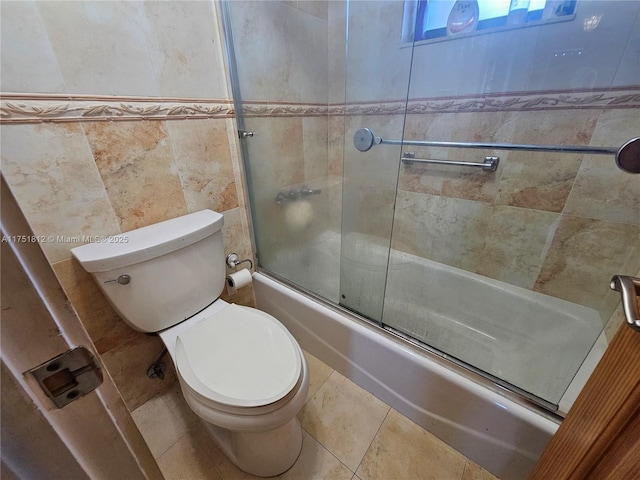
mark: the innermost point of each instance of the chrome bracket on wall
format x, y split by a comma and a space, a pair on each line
629, 288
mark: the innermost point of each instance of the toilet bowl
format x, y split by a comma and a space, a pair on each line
256, 428
240, 370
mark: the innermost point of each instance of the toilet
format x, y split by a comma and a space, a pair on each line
240, 370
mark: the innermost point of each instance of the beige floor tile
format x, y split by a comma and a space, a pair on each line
159, 426
192, 457
403, 450
174, 399
318, 373
344, 418
316, 463
473, 471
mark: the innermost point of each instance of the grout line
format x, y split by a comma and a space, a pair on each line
173, 444
374, 438
324, 447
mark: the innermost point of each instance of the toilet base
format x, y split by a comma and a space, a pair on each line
264, 454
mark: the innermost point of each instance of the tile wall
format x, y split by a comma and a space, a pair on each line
116, 116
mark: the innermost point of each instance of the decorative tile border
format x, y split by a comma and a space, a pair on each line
607, 99
20, 108
531, 101
23, 108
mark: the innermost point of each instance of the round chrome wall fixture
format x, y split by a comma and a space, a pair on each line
364, 139
628, 156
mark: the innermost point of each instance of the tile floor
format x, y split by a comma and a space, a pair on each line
348, 434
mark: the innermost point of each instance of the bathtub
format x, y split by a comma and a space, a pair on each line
502, 435
527, 341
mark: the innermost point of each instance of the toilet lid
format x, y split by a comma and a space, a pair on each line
239, 356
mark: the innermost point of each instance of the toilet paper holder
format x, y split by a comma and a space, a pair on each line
233, 261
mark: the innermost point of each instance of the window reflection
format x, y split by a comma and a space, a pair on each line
445, 18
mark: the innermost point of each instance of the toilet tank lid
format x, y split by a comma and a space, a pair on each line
147, 242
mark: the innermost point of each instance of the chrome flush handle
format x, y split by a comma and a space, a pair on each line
629, 288
122, 280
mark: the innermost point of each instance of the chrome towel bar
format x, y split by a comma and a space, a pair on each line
490, 164
627, 156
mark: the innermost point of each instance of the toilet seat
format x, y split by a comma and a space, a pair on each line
239, 357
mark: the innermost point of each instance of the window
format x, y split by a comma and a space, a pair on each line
442, 19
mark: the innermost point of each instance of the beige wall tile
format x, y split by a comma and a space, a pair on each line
374, 53
344, 418
551, 127
104, 325
582, 258
515, 241
337, 47
283, 52
335, 144
101, 47
402, 449
605, 192
136, 164
186, 64
447, 230
237, 240
29, 63
459, 182
128, 364
314, 143
204, 164
601, 189
472, 183
317, 8
51, 172
237, 161
542, 183
427, 179
276, 154
235, 235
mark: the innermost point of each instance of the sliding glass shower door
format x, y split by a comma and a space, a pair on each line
376, 74
279, 56
501, 258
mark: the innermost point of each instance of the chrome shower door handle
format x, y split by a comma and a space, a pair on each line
629, 288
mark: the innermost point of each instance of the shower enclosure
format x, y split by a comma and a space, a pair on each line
496, 256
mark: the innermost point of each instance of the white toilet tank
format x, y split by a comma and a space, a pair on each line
159, 275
